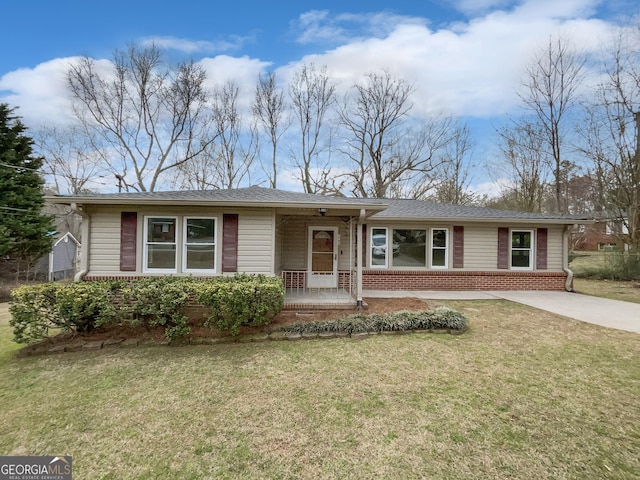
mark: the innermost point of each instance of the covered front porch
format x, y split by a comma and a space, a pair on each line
318, 258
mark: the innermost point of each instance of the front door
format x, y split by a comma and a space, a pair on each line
322, 257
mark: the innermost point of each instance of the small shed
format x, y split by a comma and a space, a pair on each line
62, 260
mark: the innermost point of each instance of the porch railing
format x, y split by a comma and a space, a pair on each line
295, 283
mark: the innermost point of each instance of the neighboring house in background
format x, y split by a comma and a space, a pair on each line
62, 261
603, 234
323, 243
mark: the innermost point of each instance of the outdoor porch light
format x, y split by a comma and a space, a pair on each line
323, 211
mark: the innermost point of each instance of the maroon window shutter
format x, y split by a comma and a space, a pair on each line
364, 246
230, 242
503, 248
541, 249
128, 240
458, 246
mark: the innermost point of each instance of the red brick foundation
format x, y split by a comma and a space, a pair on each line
455, 280
431, 280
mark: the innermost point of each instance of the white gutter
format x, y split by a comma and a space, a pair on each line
84, 249
321, 203
50, 273
491, 220
568, 285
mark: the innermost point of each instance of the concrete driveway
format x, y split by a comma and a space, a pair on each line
600, 311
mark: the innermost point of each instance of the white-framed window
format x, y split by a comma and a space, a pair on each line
199, 245
439, 248
160, 244
409, 248
378, 251
190, 238
521, 249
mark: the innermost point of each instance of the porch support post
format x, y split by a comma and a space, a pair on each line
359, 302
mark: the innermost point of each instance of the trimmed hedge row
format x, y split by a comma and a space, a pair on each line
154, 301
441, 317
78, 307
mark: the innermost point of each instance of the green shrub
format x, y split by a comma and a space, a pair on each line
159, 301
441, 317
241, 300
78, 307
614, 266
152, 302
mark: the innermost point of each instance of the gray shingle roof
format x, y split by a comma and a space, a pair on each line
410, 209
260, 196
253, 195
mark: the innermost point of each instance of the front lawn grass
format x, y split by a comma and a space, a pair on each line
615, 290
523, 394
7, 346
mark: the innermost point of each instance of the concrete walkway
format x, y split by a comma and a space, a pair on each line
600, 311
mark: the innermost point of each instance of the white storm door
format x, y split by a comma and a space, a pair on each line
322, 257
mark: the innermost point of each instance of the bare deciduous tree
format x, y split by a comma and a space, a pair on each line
550, 92
269, 109
372, 118
416, 159
71, 160
612, 135
389, 157
200, 173
524, 149
152, 116
454, 172
232, 157
312, 95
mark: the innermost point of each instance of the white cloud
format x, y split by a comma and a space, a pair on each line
243, 71
492, 189
318, 26
471, 68
41, 92
468, 68
43, 97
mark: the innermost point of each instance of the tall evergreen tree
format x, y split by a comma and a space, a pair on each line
24, 231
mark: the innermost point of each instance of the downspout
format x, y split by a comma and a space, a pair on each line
568, 284
84, 238
359, 301
352, 245
50, 273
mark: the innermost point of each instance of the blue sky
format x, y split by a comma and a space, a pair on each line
36, 31
465, 57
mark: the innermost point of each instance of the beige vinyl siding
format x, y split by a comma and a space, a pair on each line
480, 247
277, 251
256, 231
104, 246
293, 248
481, 243
255, 237
259, 252
554, 248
